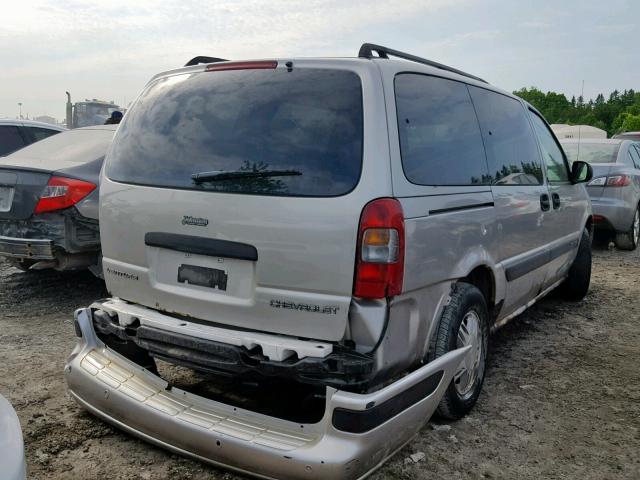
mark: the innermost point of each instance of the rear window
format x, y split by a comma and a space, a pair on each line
73, 146
628, 136
268, 132
592, 152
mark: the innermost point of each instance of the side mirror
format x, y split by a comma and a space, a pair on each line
581, 172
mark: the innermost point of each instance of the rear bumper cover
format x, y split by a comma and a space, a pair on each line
49, 235
33, 249
357, 433
617, 213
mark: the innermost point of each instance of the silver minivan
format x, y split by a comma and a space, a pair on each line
357, 225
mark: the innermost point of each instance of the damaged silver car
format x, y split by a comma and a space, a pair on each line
354, 225
49, 201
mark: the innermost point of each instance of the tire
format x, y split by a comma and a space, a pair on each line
576, 285
466, 311
629, 240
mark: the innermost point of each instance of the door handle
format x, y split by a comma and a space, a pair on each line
545, 204
555, 198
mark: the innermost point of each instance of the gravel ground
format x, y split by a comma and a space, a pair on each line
561, 397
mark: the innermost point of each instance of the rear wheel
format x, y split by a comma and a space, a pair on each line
465, 321
576, 285
629, 240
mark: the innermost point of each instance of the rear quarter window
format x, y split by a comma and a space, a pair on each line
10, 139
305, 121
42, 133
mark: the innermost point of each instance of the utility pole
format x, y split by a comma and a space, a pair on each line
20, 106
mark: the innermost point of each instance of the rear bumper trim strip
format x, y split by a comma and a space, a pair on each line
201, 245
365, 420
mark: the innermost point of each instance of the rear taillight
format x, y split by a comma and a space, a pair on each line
62, 192
618, 181
612, 181
380, 251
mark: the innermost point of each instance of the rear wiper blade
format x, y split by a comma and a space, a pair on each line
239, 174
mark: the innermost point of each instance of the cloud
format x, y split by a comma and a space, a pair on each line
460, 40
76, 35
536, 24
110, 48
616, 29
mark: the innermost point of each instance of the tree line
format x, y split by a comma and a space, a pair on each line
619, 113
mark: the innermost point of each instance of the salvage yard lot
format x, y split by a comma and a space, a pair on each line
561, 397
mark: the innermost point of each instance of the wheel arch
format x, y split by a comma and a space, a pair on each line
483, 278
589, 226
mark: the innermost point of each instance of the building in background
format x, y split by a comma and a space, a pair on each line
577, 131
46, 119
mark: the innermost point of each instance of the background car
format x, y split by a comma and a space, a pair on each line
615, 187
15, 134
12, 464
49, 201
635, 136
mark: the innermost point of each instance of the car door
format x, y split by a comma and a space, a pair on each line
519, 193
565, 220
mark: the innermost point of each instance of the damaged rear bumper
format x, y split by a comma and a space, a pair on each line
24, 248
229, 352
357, 433
63, 240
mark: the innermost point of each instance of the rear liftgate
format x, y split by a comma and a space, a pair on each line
356, 435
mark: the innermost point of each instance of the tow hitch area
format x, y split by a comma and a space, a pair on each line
356, 434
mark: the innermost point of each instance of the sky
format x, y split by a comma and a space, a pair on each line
109, 49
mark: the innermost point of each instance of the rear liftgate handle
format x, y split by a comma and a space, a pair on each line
545, 204
556, 200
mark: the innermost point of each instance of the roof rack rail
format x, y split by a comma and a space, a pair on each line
201, 59
367, 49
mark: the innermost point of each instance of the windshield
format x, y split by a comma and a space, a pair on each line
262, 122
101, 110
592, 152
